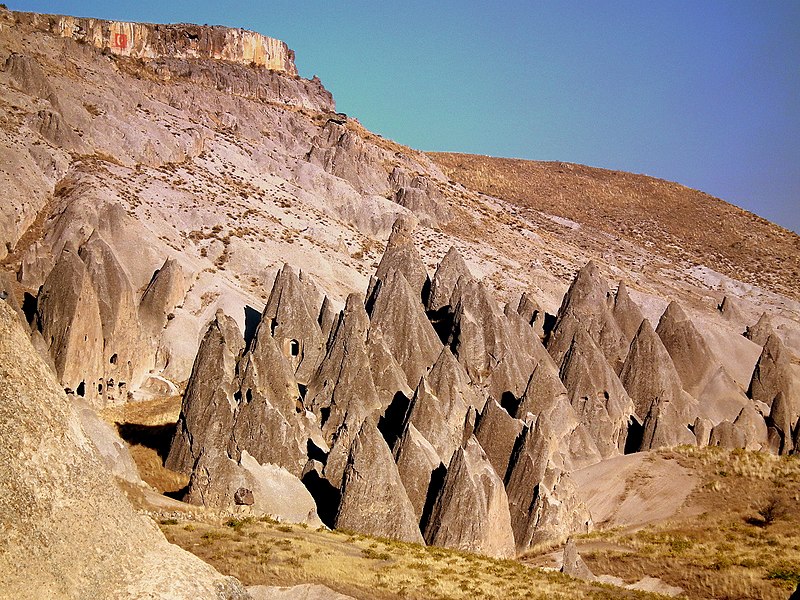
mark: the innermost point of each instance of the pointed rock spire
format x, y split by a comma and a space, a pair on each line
123, 349
294, 323
208, 405
596, 394
417, 461
166, 290
586, 306
342, 392
270, 422
471, 511
773, 374
759, 332
486, 343
401, 255
326, 318
648, 373
626, 312
497, 433
374, 500
530, 310
450, 270
440, 405
397, 315
690, 354
69, 319
730, 310
542, 499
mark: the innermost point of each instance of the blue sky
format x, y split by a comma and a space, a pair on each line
703, 93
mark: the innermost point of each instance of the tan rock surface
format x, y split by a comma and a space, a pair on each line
69, 531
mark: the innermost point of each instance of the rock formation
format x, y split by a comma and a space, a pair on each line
471, 511
374, 500
55, 499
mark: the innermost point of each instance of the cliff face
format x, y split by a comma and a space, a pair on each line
146, 40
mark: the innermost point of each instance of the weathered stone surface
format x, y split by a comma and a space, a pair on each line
421, 196
29, 76
268, 489
546, 399
110, 448
401, 255
398, 316
573, 565
597, 395
690, 354
471, 510
166, 290
270, 421
486, 343
748, 431
587, 306
327, 318
702, 431
759, 332
57, 493
626, 312
773, 374
292, 319
780, 423
650, 378
145, 40
417, 460
730, 310
208, 404
124, 354
530, 310
542, 499
440, 404
342, 391
451, 268
374, 500
69, 319
497, 433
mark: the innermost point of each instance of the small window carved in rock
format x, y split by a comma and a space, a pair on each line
294, 347
113, 359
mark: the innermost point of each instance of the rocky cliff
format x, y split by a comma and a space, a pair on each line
183, 40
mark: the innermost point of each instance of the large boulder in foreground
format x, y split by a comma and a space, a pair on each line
69, 532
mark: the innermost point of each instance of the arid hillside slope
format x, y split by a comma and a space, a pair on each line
679, 222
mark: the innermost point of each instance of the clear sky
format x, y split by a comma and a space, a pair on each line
705, 93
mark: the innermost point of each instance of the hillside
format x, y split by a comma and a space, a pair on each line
676, 221
289, 321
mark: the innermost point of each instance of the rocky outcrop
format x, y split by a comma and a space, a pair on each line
451, 268
597, 395
626, 312
208, 404
471, 510
759, 332
650, 378
573, 565
374, 500
292, 317
56, 494
398, 316
587, 306
166, 290
542, 499
342, 392
146, 40
747, 431
417, 463
497, 433
774, 384
401, 256
690, 353
124, 353
68, 316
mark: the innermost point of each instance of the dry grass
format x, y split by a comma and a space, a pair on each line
148, 427
265, 552
730, 551
680, 223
